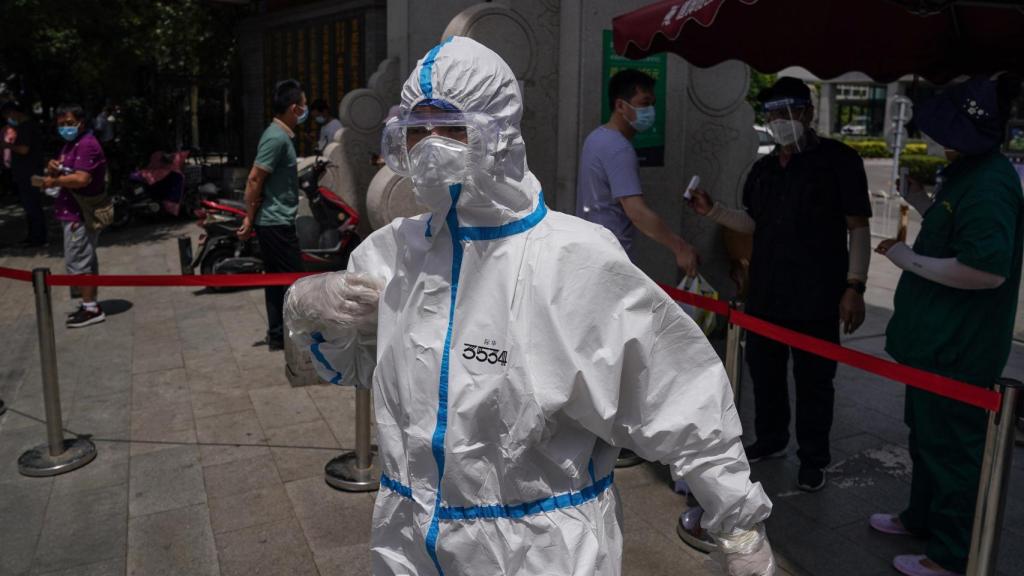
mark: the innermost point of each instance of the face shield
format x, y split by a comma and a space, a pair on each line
423, 141
784, 120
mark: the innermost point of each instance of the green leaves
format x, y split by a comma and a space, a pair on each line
91, 49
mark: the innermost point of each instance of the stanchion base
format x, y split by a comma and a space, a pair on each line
627, 458
343, 473
38, 463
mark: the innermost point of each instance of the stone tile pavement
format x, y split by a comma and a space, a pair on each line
826, 532
210, 463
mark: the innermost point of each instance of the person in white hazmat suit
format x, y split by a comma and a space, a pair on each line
512, 352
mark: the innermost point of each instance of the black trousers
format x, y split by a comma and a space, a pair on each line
279, 248
815, 393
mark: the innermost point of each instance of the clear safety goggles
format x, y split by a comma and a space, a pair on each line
478, 131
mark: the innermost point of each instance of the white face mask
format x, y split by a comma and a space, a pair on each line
435, 163
786, 132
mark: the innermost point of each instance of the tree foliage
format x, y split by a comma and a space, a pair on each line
758, 82
91, 49
144, 55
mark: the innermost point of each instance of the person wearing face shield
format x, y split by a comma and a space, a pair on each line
608, 188
512, 352
953, 313
272, 199
807, 206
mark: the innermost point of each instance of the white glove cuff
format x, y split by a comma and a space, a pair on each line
946, 271
742, 542
900, 254
860, 254
732, 218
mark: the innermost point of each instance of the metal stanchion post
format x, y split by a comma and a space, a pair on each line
995, 476
185, 255
357, 471
734, 356
58, 455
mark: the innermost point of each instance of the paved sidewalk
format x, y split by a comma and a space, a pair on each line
827, 532
208, 461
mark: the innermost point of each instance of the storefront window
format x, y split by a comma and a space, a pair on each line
860, 110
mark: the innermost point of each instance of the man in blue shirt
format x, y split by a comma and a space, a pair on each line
608, 185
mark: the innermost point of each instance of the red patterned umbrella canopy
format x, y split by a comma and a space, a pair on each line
885, 39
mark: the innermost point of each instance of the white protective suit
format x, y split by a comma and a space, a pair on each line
517, 350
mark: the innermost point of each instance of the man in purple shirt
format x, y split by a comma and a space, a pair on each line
608, 184
82, 167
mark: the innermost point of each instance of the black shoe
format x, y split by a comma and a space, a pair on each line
85, 317
275, 345
810, 479
760, 451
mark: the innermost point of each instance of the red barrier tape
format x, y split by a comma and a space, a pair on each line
15, 274
966, 393
216, 280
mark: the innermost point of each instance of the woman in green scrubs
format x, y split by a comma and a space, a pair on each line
954, 312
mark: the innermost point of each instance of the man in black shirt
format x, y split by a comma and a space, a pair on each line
26, 161
804, 204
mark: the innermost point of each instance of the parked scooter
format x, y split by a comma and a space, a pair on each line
326, 231
157, 188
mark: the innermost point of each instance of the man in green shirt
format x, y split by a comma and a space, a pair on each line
272, 198
954, 311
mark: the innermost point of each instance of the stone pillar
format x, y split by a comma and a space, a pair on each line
720, 146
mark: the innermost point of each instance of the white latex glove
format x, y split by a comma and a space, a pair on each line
336, 300
746, 553
334, 316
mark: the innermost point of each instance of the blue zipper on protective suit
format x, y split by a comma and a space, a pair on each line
459, 235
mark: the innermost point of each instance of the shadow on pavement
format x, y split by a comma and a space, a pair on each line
115, 306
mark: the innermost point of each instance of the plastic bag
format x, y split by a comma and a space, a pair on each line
706, 319
334, 316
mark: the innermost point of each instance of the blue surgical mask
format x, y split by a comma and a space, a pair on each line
68, 133
302, 117
320, 119
645, 118
12, 122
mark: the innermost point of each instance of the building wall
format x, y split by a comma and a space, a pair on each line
708, 132
559, 50
708, 122
254, 68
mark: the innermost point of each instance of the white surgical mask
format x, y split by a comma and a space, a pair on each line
435, 163
786, 132
645, 118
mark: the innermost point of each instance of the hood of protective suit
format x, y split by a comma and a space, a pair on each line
471, 77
